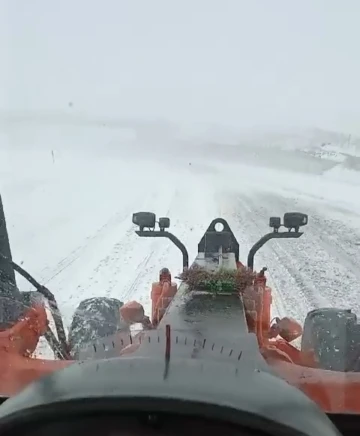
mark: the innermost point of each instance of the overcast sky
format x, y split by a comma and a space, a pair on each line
238, 62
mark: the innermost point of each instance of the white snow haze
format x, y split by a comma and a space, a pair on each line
238, 62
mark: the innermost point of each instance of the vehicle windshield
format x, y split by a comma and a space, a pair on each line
116, 115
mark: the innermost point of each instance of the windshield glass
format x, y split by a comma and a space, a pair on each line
193, 111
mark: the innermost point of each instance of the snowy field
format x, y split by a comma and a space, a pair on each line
69, 220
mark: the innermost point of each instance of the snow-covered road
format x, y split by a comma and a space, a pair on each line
70, 222
70, 225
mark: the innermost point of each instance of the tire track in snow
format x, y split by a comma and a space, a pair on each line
284, 252
340, 237
341, 241
307, 272
333, 268
289, 295
74, 255
110, 225
333, 263
117, 220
